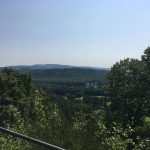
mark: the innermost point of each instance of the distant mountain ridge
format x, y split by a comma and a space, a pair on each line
51, 66
40, 66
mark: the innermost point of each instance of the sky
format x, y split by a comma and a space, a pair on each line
94, 33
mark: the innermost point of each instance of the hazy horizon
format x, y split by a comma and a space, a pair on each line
79, 33
55, 64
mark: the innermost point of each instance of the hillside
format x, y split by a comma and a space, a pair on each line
64, 79
72, 81
51, 66
68, 74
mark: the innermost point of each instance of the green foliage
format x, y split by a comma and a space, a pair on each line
12, 120
129, 94
124, 87
14, 86
70, 81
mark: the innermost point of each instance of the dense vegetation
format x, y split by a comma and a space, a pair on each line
70, 81
79, 113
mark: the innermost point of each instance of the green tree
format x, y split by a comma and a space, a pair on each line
146, 80
124, 88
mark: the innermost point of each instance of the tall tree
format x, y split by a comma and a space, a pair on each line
123, 86
146, 79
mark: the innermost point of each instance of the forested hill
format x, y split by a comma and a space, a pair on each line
69, 74
61, 73
51, 66
74, 81
63, 81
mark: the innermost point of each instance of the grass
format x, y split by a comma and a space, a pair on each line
147, 120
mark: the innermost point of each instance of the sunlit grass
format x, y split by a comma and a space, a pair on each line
147, 120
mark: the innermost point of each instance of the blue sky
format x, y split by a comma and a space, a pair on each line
74, 32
